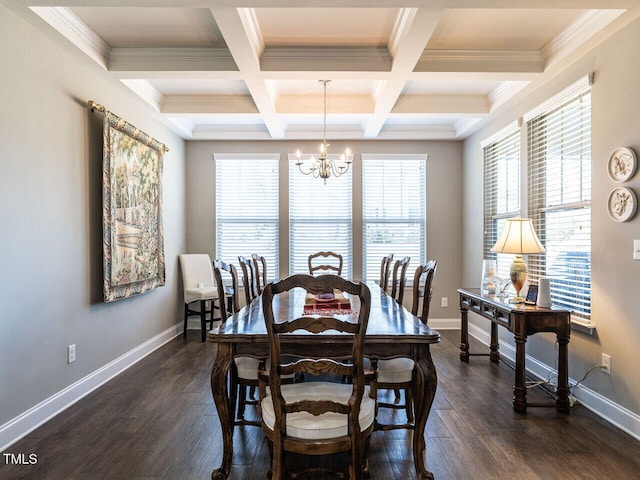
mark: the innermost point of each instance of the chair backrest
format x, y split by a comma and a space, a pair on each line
324, 268
399, 279
352, 367
385, 268
196, 268
228, 292
249, 279
260, 266
423, 290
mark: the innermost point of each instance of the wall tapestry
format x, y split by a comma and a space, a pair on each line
133, 237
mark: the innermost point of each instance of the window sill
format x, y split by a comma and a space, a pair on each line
581, 326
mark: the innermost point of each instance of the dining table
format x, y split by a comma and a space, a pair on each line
392, 332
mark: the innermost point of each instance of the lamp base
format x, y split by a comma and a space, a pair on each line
518, 275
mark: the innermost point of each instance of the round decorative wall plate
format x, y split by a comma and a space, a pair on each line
622, 164
622, 204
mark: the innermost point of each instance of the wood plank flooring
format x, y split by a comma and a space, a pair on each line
157, 420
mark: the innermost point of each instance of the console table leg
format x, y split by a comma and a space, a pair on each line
494, 356
520, 388
562, 403
464, 334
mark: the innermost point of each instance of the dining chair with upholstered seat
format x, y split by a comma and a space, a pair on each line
397, 373
260, 268
399, 279
198, 289
317, 417
249, 279
331, 263
244, 373
385, 269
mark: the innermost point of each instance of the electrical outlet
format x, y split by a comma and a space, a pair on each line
71, 353
606, 361
444, 302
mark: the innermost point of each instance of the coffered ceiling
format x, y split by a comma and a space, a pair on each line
250, 69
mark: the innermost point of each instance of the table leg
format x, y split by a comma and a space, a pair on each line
520, 388
494, 355
225, 408
424, 391
562, 403
464, 334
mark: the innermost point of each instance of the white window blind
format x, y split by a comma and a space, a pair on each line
247, 208
501, 194
319, 218
393, 211
559, 179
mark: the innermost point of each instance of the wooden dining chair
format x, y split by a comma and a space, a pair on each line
244, 372
260, 268
385, 268
397, 373
249, 279
399, 280
317, 417
198, 289
334, 267
423, 290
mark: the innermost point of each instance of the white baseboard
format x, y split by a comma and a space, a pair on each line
444, 323
613, 413
23, 424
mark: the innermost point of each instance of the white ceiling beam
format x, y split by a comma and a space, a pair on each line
413, 30
239, 32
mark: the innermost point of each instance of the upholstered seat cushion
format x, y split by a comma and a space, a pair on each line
328, 425
247, 367
202, 293
395, 370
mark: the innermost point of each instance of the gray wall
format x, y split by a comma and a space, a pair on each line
444, 201
615, 276
50, 220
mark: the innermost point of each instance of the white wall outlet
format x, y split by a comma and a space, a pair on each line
606, 361
444, 302
636, 249
71, 353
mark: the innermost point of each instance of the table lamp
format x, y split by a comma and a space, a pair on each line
518, 237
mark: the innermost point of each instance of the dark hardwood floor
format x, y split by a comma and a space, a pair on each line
157, 420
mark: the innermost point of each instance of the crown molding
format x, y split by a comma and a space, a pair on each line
171, 59
373, 59
529, 61
76, 31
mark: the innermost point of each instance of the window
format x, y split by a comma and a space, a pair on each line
319, 219
393, 210
247, 208
559, 194
501, 192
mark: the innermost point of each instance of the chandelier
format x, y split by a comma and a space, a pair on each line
323, 168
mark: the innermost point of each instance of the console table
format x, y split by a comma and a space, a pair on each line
521, 320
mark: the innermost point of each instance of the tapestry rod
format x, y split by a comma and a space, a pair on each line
96, 106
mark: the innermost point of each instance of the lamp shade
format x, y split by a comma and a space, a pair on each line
519, 237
